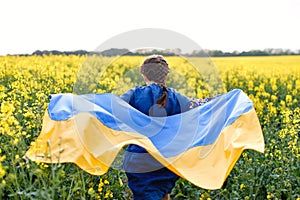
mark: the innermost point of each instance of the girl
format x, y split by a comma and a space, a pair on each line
147, 178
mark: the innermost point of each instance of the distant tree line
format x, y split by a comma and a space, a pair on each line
169, 52
265, 52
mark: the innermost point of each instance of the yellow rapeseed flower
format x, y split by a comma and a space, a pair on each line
242, 186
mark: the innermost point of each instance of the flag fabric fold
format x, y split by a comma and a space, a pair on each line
200, 145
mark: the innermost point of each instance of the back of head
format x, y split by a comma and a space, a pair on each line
155, 68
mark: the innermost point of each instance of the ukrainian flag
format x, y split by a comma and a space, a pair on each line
200, 145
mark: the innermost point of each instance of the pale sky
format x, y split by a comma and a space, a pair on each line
227, 25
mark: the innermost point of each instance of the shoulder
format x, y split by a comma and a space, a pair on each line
128, 94
178, 95
182, 99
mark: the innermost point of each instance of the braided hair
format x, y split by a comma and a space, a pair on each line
156, 69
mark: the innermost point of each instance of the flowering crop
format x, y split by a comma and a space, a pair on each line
273, 83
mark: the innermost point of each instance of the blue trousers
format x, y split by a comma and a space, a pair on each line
152, 185
147, 178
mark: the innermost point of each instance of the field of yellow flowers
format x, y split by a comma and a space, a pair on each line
273, 83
